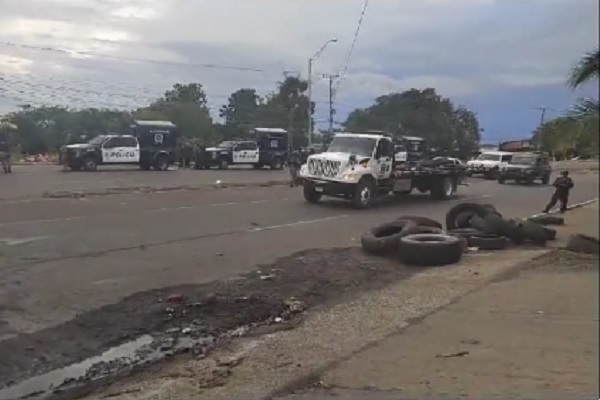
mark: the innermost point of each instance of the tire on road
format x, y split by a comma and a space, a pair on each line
464, 240
580, 243
310, 194
465, 233
547, 220
463, 208
421, 221
415, 230
429, 250
491, 209
364, 193
485, 241
383, 239
550, 233
535, 233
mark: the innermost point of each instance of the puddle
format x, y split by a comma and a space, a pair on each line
142, 351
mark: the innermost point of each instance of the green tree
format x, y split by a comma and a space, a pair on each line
450, 130
240, 112
567, 136
586, 70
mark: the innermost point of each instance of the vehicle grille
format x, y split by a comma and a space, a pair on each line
325, 168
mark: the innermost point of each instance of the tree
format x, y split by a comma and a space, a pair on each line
586, 70
186, 107
240, 112
568, 136
421, 113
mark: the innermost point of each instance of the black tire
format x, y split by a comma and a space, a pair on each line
501, 179
310, 194
421, 221
223, 163
472, 208
277, 163
546, 179
491, 209
488, 242
547, 220
579, 243
496, 225
75, 167
550, 233
430, 250
90, 164
364, 193
464, 240
161, 163
145, 166
466, 233
383, 239
443, 189
533, 232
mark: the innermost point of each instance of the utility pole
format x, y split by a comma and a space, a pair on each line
543, 116
331, 78
309, 89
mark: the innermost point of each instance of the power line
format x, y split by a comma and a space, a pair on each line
352, 46
135, 59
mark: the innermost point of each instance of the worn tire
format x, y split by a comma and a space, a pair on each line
534, 232
310, 194
465, 233
421, 221
580, 243
161, 163
488, 242
547, 220
464, 241
419, 229
364, 193
550, 233
491, 209
463, 208
383, 239
430, 250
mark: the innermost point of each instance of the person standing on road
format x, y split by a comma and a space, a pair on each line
5, 149
563, 185
294, 163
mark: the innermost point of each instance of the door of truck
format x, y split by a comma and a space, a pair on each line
384, 156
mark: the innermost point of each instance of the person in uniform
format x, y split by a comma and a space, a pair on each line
294, 163
5, 151
562, 186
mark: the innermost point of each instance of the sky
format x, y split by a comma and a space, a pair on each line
503, 59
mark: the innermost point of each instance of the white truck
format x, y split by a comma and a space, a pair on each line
489, 163
362, 166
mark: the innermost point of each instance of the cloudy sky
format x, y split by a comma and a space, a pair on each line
501, 58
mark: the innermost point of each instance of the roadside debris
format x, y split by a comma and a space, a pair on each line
452, 355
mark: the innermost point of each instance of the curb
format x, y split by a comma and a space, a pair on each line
571, 207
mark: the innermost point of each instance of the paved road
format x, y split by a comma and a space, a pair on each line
30, 181
61, 257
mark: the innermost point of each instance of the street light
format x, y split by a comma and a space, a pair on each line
310, 62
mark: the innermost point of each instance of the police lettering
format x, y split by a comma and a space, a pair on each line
121, 154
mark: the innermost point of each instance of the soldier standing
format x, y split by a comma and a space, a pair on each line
5, 151
294, 163
563, 185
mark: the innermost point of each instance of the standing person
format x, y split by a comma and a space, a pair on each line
563, 185
5, 152
294, 164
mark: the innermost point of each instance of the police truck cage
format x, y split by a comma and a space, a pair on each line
362, 166
151, 144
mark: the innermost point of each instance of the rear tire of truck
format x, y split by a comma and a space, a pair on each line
443, 189
310, 194
223, 163
501, 180
277, 163
161, 163
89, 164
363, 193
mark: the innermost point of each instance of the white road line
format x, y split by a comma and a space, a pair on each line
18, 241
292, 224
163, 209
572, 206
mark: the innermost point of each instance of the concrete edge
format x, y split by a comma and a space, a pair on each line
571, 207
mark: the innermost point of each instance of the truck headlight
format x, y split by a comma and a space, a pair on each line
350, 176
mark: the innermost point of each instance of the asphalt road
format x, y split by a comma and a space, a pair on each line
62, 257
31, 181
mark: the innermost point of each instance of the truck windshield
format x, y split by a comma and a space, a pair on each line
360, 146
488, 157
98, 140
521, 160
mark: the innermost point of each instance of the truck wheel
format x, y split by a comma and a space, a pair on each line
145, 166
442, 189
277, 163
363, 193
546, 179
161, 163
223, 163
75, 167
501, 179
310, 194
89, 164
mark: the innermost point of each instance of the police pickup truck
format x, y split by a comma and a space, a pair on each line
362, 166
269, 148
152, 145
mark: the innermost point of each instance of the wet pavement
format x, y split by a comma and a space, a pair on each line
62, 258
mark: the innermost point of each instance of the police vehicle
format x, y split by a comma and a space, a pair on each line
269, 147
151, 145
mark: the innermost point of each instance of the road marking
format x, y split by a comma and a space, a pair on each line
292, 224
163, 209
18, 241
572, 206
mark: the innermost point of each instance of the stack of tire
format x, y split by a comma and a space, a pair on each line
421, 241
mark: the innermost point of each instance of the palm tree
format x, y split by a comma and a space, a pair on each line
586, 70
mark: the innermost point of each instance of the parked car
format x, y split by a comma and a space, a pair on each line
526, 168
